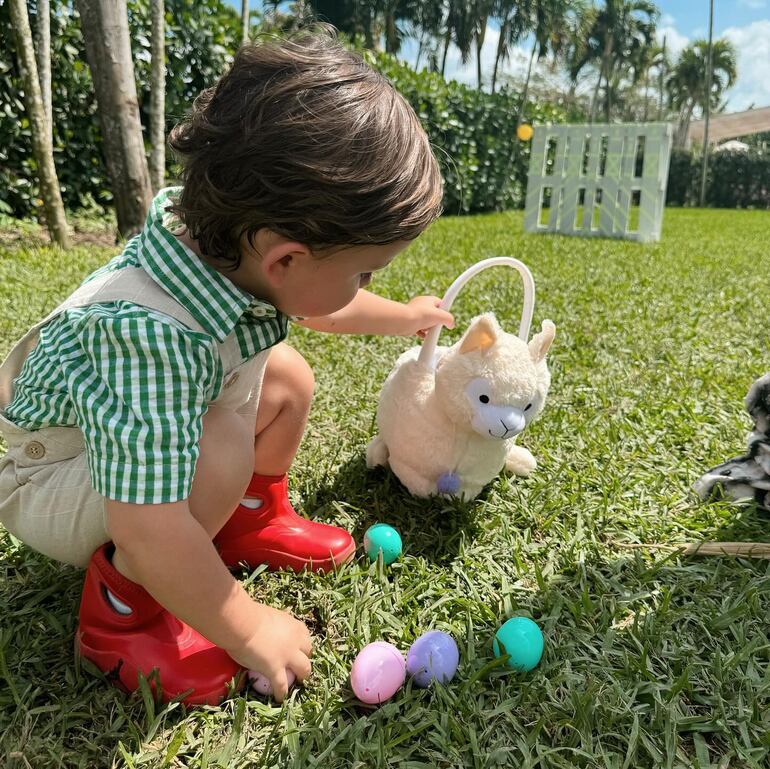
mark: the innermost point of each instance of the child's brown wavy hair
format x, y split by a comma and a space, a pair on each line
303, 137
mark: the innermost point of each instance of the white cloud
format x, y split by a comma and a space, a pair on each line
667, 20
675, 41
752, 43
754, 5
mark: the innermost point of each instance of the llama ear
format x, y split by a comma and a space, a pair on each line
481, 335
540, 343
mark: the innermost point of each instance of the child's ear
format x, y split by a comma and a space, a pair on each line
541, 343
481, 335
277, 256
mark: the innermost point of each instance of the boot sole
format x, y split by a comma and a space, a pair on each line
115, 669
276, 560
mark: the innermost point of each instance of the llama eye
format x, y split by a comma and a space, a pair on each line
528, 407
484, 398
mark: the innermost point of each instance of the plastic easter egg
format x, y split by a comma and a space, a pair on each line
524, 132
385, 538
378, 672
433, 657
522, 640
262, 685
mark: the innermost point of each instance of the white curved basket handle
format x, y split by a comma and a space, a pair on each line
428, 350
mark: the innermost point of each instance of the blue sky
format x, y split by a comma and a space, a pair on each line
745, 22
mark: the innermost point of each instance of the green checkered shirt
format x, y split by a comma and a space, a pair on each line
136, 382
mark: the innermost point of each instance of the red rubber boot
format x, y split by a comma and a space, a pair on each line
274, 534
122, 645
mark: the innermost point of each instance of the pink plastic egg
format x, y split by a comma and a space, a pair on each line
262, 685
378, 672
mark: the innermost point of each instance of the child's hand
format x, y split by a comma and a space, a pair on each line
279, 642
424, 313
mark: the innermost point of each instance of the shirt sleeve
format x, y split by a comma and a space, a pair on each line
140, 396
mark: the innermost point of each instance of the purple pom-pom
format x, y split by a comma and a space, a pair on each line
448, 483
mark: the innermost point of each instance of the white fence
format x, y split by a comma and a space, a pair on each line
599, 180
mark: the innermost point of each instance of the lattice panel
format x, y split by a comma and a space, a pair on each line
599, 180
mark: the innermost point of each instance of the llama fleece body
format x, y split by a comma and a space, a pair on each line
451, 430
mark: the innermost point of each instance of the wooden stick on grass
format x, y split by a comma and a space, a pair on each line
744, 549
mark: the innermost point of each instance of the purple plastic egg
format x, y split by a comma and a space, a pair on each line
433, 657
378, 672
262, 685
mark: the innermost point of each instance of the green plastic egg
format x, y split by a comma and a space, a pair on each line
522, 640
382, 537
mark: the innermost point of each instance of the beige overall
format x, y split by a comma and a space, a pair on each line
46, 497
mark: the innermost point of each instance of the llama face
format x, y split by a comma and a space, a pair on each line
491, 382
497, 420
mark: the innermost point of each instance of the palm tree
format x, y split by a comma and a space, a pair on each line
460, 24
618, 31
687, 83
648, 58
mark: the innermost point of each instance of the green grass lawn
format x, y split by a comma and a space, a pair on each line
651, 659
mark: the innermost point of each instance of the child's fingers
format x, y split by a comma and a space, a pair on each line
300, 665
280, 684
445, 318
307, 643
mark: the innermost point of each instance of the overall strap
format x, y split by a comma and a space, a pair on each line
128, 284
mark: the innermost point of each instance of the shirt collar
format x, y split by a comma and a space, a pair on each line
213, 300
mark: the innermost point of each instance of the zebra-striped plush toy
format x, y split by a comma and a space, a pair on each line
747, 476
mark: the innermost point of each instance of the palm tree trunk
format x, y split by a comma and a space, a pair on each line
244, 21
481, 32
42, 145
646, 93
419, 50
707, 115
661, 79
595, 96
105, 33
525, 92
158, 98
391, 32
43, 46
602, 72
499, 52
447, 41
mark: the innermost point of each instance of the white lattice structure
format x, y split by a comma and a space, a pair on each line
599, 180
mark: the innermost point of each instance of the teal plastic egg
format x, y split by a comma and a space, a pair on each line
382, 537
522, 640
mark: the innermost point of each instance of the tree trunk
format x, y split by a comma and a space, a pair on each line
661, 78
595, 96
602, 70
244, 21
525, 92
499, 52
104, 24
447, 41
419, 51
42, 144
646, 94
481, 32
43, 43
391, 32
684, 125
707, 108
158, 98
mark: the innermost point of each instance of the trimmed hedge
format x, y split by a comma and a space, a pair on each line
734, 179
201, 35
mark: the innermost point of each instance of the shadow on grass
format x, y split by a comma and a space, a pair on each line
432, 528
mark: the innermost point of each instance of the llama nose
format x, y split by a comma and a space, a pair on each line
513, 421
